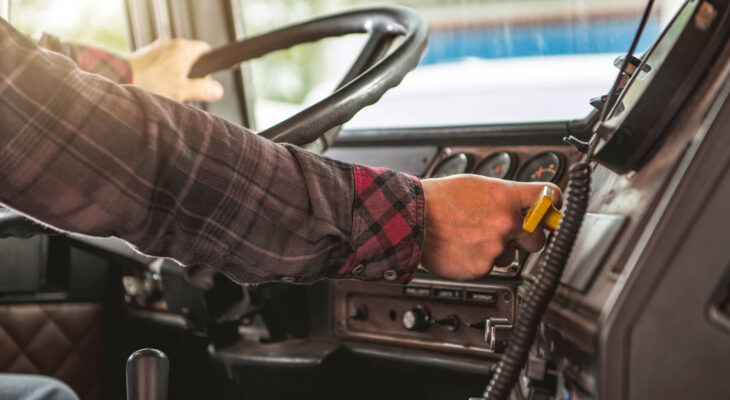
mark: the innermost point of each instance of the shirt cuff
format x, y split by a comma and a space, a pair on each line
103, 63
89, 59
387, 227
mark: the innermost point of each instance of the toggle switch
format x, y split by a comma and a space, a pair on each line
499, 338
543, 212
451, 322
489, 326
478, 324
359, 313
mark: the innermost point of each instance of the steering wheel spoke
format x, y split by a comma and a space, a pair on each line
375, 49
375, 71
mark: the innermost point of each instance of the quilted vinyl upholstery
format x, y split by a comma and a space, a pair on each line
59, 340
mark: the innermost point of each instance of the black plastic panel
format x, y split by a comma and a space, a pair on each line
596, 238
23, 263
412, 160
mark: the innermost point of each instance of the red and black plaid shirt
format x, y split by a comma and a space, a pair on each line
85, 154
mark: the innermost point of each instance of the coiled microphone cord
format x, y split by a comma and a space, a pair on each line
551, 269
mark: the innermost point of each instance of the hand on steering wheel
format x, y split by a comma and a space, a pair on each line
162, 68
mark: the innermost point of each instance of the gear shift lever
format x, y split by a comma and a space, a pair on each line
147, 375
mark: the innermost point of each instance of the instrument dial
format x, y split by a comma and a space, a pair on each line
544, 167
458, 163
500, 165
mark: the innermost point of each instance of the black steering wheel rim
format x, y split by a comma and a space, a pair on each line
369, 78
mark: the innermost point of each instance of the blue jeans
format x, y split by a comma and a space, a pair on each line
33, 387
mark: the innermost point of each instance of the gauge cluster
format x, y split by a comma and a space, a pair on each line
522, 164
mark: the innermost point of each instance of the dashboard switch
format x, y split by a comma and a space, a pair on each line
417, 291
489, 325
359, 313
481, 296
417, 319
451, 322
577, 143
449, 294
499, 337
481, 324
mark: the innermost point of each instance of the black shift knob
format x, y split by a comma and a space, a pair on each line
147, 375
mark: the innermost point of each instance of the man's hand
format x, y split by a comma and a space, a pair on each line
163, 68
473, 223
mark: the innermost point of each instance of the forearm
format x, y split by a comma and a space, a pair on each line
86, 155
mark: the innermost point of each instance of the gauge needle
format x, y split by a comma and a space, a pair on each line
539, 172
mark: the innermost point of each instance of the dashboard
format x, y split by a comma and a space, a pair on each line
437, 314
641, 309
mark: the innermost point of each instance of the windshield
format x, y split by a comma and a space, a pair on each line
488, 61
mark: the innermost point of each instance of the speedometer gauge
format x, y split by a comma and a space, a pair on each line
544, 167
500, 165
459, 163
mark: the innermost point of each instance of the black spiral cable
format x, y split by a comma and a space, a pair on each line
559, 248
551, 269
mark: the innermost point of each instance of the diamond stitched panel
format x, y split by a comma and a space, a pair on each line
59, 340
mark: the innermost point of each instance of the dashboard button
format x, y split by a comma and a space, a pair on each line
417, 291
480, 296
450, 294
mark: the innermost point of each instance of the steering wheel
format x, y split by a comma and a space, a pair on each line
371, 75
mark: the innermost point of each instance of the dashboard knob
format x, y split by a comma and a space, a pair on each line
500, 336
359, 313
417, 319
489, 325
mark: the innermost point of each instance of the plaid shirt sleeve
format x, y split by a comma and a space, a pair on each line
89, 59
84, 154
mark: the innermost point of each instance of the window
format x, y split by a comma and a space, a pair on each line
83, 21
488, 61
4, 8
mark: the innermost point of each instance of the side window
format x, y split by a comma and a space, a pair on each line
93, 22
4, 8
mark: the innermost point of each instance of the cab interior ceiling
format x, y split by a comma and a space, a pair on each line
345, 339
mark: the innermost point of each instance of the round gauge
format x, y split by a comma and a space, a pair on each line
459, 163
500, 165
544, 167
